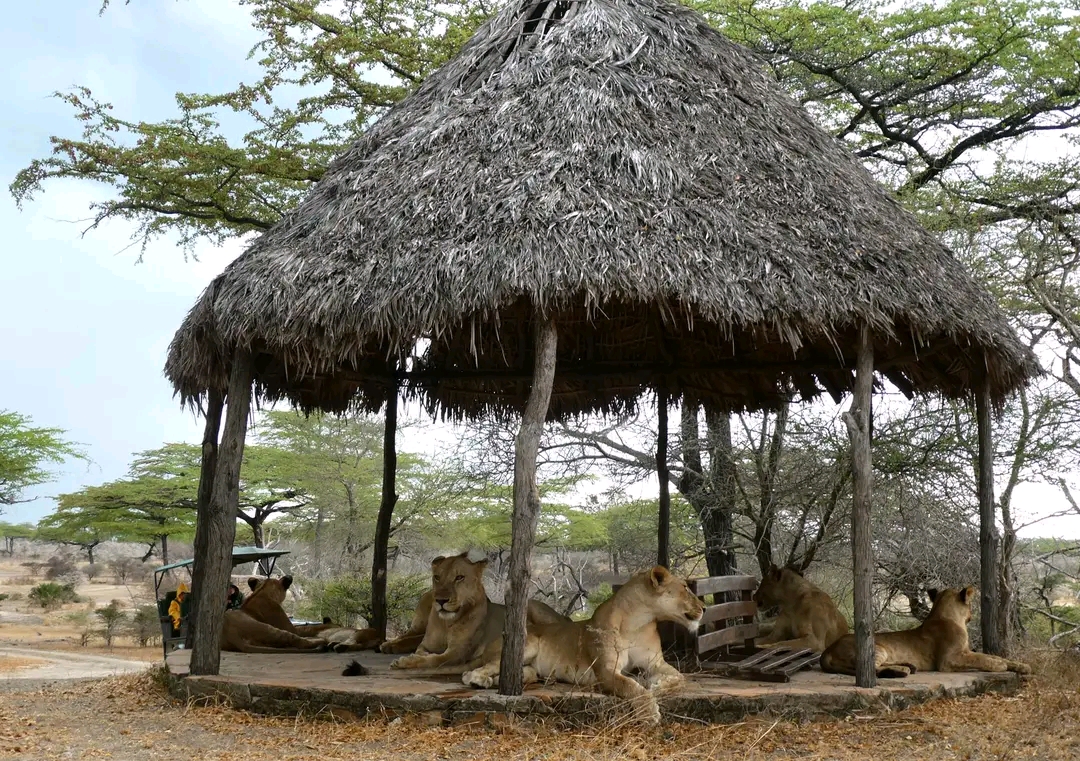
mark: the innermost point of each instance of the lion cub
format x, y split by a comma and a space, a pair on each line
808, 616
620, 636
939, 644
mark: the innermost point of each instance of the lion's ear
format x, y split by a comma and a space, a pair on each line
480, 565
437, 560
286, 582
932, 594
966, 593
253, 583
464, 554
658, 575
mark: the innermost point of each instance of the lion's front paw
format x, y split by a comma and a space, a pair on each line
1019, 668
665, 682
406, 662
475, 678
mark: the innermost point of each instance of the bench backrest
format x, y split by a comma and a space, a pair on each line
729, 623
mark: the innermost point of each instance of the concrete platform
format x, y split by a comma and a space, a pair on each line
310, 684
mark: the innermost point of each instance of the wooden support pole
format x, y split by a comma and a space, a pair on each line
862, 549
386, 514
663, 523
988, 545
526, 509
215, 403
220, 520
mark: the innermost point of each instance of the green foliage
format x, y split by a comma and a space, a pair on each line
4, 596
78, 527
25, 453
347, 599
51, 595
112, 619
145, 625
80, 619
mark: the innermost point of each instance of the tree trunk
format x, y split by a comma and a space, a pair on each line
663, 522
214, 404
862, 549
221, 522
386, 514
257, 532
712, 498
988, 572
90, 553
164, 549
526, 509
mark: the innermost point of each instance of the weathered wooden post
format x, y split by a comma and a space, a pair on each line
526, 508
862, 549
386, 513
663, 522
220, 522
215, 403
988, 545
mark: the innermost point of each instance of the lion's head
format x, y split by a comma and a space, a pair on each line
775, 587
268, 589
668, 597
952, 604
456, 584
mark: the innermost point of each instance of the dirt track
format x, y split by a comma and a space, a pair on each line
24, 668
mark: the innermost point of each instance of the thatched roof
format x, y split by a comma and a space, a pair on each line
624, 167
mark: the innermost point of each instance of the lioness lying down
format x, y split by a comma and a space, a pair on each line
939, 644
248, 628
621, 636
808, 616
461, 620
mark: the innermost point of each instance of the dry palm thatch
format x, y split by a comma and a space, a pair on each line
624, 167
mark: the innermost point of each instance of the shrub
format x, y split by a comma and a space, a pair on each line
4, 596
91, 571
51, 595
145, 626
347, 600
112, 617
61, 568
81, 620
124, 569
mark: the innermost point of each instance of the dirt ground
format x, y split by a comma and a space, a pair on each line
132, 718
25, 624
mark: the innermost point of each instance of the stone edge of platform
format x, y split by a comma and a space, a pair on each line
491, 709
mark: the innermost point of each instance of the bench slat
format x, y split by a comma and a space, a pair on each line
728, 610
713, 584
730, 636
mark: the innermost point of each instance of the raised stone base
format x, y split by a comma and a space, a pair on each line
312, 684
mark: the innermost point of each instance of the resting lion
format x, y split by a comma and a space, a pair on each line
620, 636
266, 607
254, 626
808, 616
939, 644
461, 620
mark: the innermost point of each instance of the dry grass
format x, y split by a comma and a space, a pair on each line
10, 663
133, 719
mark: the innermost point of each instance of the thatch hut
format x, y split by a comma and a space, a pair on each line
593, 199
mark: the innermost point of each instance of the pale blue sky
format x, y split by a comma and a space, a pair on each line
85, 326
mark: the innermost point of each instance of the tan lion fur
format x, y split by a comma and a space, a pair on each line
621, 636
461, 620
249, 628
940, 643
808, 616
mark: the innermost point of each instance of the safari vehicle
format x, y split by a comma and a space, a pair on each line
175, 633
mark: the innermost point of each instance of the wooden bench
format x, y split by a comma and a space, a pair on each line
724, 642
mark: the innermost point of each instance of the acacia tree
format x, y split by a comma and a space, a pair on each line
25, 453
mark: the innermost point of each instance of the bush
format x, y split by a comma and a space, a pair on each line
112, 617
61, 568
81, 621
4, 596
145, 626
51, 595
347, 600
125, 568
91, 571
